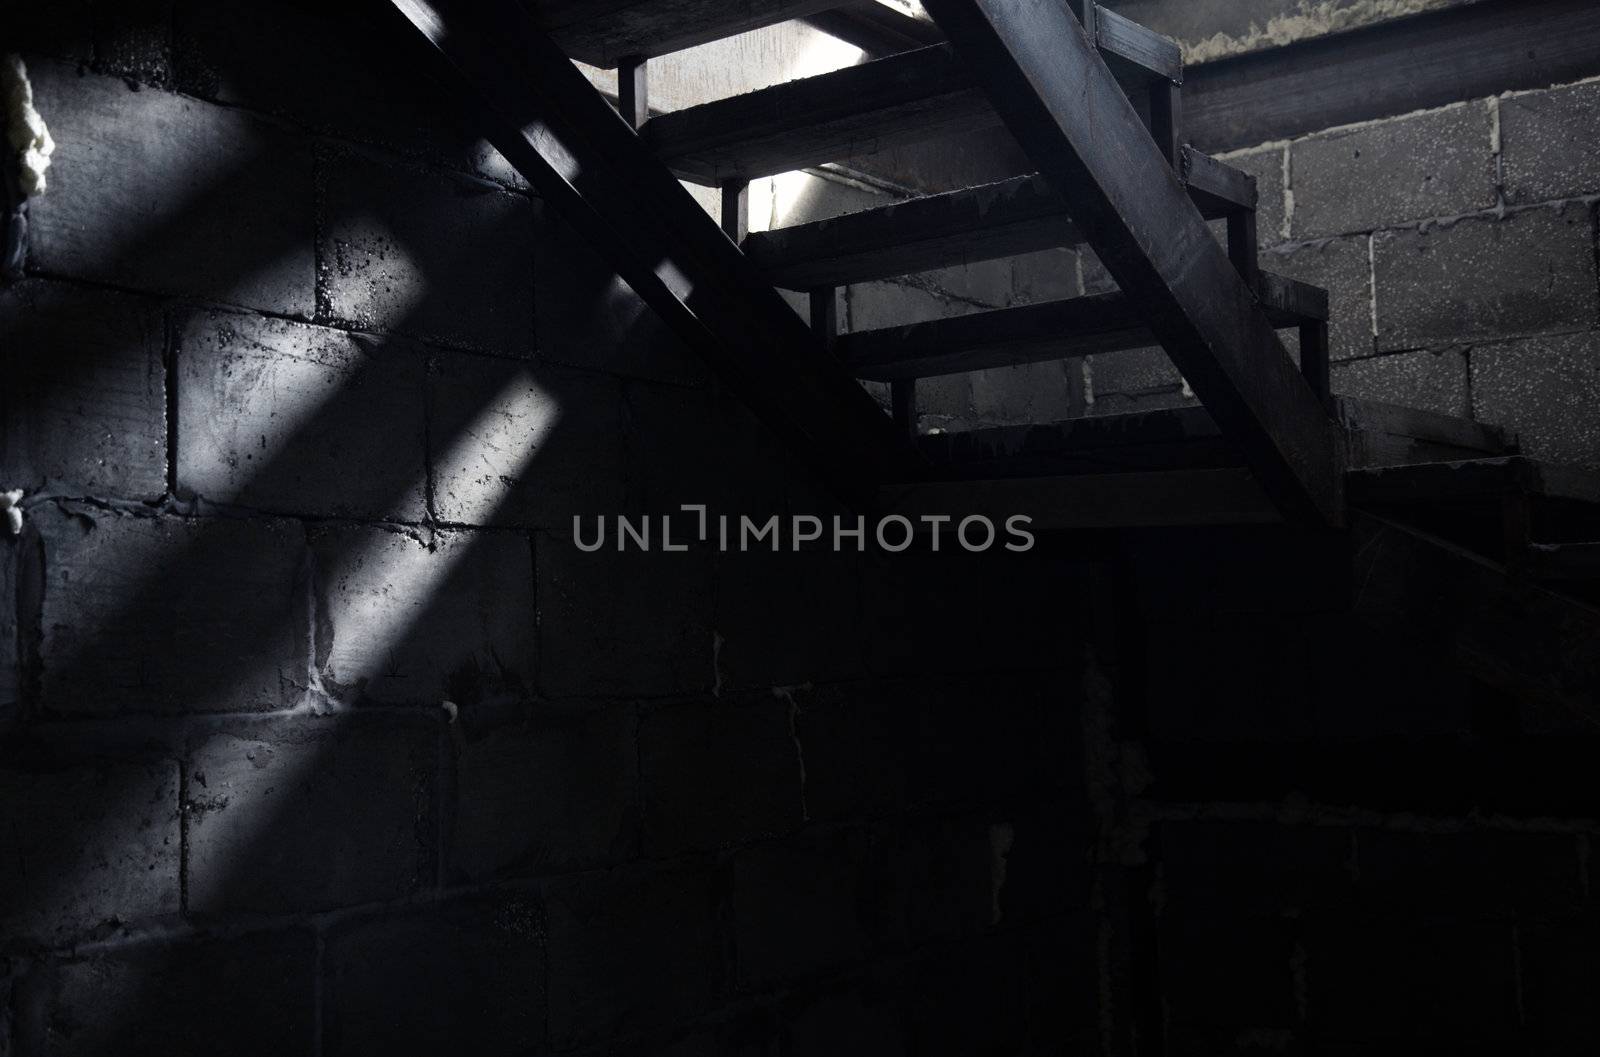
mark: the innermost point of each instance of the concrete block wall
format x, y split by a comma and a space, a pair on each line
320, 736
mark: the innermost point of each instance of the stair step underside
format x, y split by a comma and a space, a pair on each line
1052, 330
1020, 215
902, 99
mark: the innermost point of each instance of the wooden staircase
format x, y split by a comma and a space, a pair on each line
1095, 101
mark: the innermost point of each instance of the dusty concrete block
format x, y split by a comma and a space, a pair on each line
1531, 272
1267, 165
1545, 389
1476, 873
532, 800
427, 253
1343, 267
944, 402
589, 317
697, 447
1435, 164
1560, 959
722, 773
1048, 275
161, 192
1130, 381
868, 1016
171, 615
403, 621
853, 738
1547, 143
1248, 868
461, 976
308, 815
630, 951
516, 444
84, 404
618, 624
257, 999
795, 912
1227, 972
967, 999
1029, 393
1432, 381
299, 419
788, 618
1448, 981
87, 847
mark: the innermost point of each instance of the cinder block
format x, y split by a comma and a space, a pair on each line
622, 624
532, 800
518, 444
967, 998
1531, 272
455, 977
1230, 972
161, 192
1062, 983
866, 1014
1254, 868
788, 618
1343, 267
698, 447
133, 38
84, 404
1546, 389
1547, 143
853, 739
404, 621
944, 402
1267, 165
795, 912
1435, 164
309, 815
1559, 962
630, 951
589, 317
1131, 381
432, 254
1446, 980
87, 847
721, 773
299, 419
256, 996
1028, 393
1480, 874
1432, 381
1047, 275
171, 615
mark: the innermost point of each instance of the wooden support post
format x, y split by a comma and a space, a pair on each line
825, 316
1086, 10
1166, 120
1516, 522
1242, 240
903, 404
1314, 359
633, 91
1067, 111
736, 210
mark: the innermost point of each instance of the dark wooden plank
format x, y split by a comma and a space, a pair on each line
919, 95
1314, 357
633, 91
902, 99
1067, 111
1500, 628
1132, 49
604, 32
735, 209
1051, 330
875, 28
1430, 60
1166, 121
1094, 501
541, 112
1217, 188
1020, 215
1473, 479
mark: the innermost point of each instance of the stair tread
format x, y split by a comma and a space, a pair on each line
1019, 215
1474, 479
905, 98
1050, 330
605, 32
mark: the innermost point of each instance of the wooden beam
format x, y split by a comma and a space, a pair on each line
604, 32
1020, 215
552, 125
1050, 330
633, 91
875, 28
1429, 60
906, 98
1067, 111
1473, 479
736, 209
1094, 501
1132, 49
